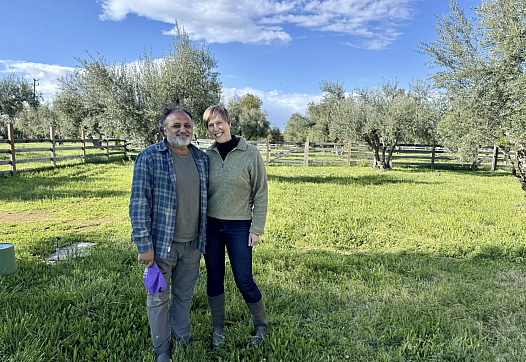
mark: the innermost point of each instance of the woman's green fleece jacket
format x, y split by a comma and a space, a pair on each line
233, 181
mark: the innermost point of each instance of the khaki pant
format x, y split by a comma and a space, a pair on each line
181, 272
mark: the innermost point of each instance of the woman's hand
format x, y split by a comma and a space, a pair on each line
253, 239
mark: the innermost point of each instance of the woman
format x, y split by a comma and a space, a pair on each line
237, 209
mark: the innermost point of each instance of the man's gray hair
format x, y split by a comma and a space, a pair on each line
169, 110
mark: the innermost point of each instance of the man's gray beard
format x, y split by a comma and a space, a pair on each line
176, 141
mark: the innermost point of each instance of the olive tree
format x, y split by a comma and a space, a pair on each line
298, 128
481, 65
125, 100
382, 117
248, 120
386, 116
36, 122
16, 93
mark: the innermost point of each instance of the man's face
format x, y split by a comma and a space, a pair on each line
178, 129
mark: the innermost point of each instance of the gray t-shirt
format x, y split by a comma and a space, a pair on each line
188, 198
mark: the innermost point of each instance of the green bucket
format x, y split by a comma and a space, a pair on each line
7, 259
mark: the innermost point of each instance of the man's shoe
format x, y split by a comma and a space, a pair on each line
164, 357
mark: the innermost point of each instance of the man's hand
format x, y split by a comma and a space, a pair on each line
146, 258
253, 239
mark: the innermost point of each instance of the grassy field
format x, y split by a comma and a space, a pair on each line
60, 152
354, 265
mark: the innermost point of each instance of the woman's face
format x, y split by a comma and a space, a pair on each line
219, 129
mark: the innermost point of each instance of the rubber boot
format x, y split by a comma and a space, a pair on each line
217, 313
164, 357
259, 315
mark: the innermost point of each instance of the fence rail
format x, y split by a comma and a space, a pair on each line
349, 154
273, 152
55, 145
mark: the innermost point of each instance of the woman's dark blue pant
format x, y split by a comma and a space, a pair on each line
232, 234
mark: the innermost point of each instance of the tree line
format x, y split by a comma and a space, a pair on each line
475, 97
124, 100
382, 117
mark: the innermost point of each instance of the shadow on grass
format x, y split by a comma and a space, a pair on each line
321, 305
55, 183
380, 179
484, 172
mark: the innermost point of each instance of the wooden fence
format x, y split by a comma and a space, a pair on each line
55, 145
349, 154
273, 152
305, 153
427, 155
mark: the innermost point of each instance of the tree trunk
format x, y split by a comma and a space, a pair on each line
474, 166
521, 165
383, 158
389, 160
379, 159
373, 141
376, 156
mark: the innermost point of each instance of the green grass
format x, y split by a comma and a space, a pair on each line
59, 151
354, 265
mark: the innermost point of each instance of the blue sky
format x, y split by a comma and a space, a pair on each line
278, 50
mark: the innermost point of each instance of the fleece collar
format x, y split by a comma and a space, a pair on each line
241, 145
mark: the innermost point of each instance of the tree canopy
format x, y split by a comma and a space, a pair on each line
383, 117
482, 63
125, 100
16, 93
298, 128
248, 120
35, 122
275, 134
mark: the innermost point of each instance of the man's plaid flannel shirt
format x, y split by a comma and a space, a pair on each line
153, 204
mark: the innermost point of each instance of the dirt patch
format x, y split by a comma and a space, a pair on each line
87, 228
24, 216
99, 223
514, 278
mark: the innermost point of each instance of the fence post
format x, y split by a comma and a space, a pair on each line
268, 150
306, 153
11, 137
83, 138
433, 152
349, 154
107, 150
52, 139
125, 146
495, 157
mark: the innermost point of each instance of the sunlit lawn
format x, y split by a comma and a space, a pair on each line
355, 265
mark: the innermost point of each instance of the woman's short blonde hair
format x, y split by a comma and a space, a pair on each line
215, 111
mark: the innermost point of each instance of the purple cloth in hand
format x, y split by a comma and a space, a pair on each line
153, 279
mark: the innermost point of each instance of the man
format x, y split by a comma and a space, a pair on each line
168, 216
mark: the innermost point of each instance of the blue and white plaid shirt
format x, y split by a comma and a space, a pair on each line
153, 204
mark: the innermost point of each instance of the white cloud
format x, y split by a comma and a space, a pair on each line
373, 22
47, 75
278, 105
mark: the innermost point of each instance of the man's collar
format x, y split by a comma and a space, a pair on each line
178, 151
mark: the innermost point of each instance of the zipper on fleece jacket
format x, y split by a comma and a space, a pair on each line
223, 161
